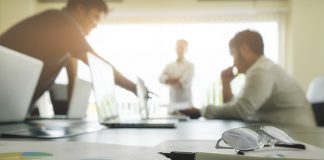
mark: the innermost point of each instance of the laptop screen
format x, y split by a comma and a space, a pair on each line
142, 98
19, 74
104, 87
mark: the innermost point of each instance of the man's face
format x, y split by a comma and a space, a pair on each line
181, 49
90, 19
237, 59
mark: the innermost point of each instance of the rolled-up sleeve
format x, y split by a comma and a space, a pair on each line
164, 76
186, 78
213, 112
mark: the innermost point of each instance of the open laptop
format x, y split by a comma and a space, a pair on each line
19, 75
104, 90
78, 104
143, 98
79, 100
74, 107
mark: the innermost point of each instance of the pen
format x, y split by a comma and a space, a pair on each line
175, 155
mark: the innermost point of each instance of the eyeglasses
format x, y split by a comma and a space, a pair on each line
246, 139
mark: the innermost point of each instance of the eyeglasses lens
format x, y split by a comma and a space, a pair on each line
242, 139
278, 134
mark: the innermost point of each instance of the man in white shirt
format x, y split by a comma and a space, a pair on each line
269, 93
178, 75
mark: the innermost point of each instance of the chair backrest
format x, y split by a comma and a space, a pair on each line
315, 95
315, 92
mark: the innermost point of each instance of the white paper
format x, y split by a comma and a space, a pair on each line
74, 151
205, 150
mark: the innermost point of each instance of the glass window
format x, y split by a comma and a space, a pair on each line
144, 49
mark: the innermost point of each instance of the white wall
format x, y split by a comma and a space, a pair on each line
305, 50
159, 11
12, 11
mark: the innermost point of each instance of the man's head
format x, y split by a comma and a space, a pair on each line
87, 13
246, 47
181, 48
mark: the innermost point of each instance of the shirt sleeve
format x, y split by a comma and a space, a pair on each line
79, 45
164, 75
256, 91
186, 78
73, 39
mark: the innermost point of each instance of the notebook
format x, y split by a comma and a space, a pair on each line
104, 91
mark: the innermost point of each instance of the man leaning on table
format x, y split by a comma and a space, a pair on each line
58, 38
269, 93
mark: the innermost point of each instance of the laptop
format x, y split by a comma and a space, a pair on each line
104, 90
143, 98
19, 75
78, 104
79, 100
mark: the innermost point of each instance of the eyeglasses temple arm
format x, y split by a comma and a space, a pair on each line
296, 145
221, 147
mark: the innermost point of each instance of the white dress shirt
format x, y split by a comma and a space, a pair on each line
269, 95
179, 96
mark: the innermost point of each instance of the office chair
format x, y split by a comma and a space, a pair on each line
315, 95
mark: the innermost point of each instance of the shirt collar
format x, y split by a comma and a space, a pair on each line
256, 64
182, 61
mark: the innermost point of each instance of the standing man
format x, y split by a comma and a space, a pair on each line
56, 37
178, 75
269, 93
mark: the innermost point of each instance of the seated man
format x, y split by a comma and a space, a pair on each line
269, 93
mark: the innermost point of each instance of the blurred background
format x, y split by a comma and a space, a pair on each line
138, 37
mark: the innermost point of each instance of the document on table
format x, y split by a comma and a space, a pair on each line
205, 150
51, 150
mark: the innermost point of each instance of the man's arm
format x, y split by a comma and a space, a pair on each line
256, 91
227, 77
166, 78
123, 82
120, 79
79, 47
186, 78
165, 75
183, 81
71, 70
173, 81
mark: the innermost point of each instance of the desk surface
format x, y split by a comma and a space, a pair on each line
194, 130
190, 130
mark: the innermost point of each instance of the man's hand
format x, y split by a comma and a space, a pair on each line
149, 94
227, 75
192, 112
174, 82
